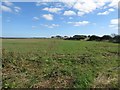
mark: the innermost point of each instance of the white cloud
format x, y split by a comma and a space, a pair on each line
114, 3
80, 13
35, 18
48, 16
88, 6
58, 5
68, 4
111, 10
85, 6
82, 6
17, 9
53, 10
114, 23
50, 26
5, 8
55, 25
82, 23
70, 17
47, 0
106, 12
66, 1
7, 3
40, 3
103, 13
69, 13
10, 7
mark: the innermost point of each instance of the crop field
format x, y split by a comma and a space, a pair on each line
55, 63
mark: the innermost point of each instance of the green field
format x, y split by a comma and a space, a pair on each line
54, 63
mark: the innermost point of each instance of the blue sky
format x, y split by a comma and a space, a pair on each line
38, 19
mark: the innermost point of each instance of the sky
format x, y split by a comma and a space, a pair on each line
46, 19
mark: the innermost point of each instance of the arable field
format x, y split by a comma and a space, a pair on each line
54, 63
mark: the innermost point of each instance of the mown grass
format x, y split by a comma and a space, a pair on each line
51, 63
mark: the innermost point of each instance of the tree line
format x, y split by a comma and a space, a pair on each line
111, 38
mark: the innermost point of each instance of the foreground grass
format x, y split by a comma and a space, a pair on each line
33, 63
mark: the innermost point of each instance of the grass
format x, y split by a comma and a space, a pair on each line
52, 63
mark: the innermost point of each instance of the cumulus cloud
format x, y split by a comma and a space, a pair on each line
114, 3
82, 23
17, 9
111, 10
69, 13
10, 7
47, 0
50, 26
5, 8
114, 23
35, 18
88, 6
40, 3
103, 13
85, 6
55, 25
7, 3
80, 13
106, 12
48, 16
52, 10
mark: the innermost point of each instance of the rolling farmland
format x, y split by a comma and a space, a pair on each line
55, 63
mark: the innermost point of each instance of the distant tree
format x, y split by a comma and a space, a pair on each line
78, 37
113, 35
106, 37
65, 36
88, 36
52, 37
59, 37
94, 38
116, 39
